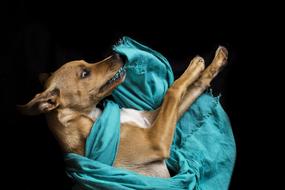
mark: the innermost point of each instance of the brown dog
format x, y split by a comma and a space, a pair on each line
73, 91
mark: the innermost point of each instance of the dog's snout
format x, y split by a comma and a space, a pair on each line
118, 57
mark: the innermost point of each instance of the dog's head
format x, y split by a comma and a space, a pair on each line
78, 85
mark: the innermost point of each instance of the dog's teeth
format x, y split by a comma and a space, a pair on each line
118, 75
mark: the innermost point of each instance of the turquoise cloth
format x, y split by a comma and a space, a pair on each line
203, 149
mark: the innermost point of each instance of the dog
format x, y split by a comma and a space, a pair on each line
73, 92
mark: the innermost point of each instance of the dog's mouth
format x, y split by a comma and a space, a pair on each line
117, 79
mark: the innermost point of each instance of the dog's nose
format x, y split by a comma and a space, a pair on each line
116, 56
119, 57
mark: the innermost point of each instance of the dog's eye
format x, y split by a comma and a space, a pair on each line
85, 73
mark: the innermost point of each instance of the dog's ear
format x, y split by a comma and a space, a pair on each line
43, 77
41, 103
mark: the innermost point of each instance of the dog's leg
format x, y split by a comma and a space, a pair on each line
154, 143
162, 130
196, 89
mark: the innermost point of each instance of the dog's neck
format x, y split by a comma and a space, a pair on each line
71, 128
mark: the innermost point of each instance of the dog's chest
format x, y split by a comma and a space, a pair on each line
134, 116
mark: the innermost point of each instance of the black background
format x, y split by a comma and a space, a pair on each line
40, 37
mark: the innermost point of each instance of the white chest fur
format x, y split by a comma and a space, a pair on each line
134, 116
127, 116
95, 112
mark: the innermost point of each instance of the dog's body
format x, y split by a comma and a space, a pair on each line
73, 91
